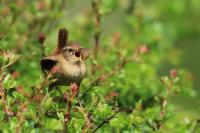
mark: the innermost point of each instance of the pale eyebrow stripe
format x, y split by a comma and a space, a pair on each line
65, 49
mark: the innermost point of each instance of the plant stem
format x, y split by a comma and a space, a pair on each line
105, 121
95, 6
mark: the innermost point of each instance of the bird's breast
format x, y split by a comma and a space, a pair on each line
72, 72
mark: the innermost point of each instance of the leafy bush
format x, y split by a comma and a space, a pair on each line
126, 89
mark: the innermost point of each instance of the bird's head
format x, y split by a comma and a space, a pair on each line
74, 54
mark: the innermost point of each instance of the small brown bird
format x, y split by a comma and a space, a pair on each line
67, 63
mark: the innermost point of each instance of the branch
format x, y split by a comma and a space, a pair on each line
105, 121
74, 89
95, 6
88, 118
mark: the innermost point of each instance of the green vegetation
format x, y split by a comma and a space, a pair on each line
134, 83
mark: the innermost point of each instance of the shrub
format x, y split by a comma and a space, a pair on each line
126, 89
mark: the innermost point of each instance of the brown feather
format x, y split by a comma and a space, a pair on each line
62, 40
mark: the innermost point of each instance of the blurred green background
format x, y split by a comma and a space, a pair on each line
182, 16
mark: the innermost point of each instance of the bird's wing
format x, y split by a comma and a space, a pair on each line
47, 63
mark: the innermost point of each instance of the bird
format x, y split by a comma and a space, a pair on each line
67, 63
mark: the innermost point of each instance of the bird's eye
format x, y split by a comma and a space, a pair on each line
70, 50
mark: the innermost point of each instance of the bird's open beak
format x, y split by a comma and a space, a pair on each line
78, 53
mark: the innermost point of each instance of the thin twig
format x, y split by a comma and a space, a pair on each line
74, 89
45, 97
97, 31
95, 6
105, 121
87, 117
67, 115
165, 99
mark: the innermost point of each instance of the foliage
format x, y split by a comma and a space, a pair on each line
125, 89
